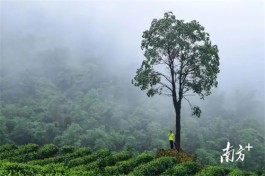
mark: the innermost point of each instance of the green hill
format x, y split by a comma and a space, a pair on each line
48, 159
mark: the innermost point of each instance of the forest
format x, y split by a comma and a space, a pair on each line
64, 95
78, 104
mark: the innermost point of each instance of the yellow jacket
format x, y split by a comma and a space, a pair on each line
171, 136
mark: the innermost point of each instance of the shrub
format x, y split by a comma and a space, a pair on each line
48, 150
143, 158
72, 161
123, 155
63, 158
187, 168
23, 157
112, 170
155, 167
83, 151
54, 169
20, 154
214, 171
87, 159
99, 163
236, 172
7, 147
5, 172
27, 148
91, 166
86, 173
106, 161
15, 168
109, 160
67, 149
124, 167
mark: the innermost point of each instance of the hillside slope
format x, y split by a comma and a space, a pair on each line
32, 159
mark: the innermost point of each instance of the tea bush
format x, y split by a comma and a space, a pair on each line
49, 160
214, 171
182, 169
124, 167
155, 167
87, 159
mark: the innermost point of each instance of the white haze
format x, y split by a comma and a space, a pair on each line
112, 30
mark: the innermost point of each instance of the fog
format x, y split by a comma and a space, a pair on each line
111, 31
66, 68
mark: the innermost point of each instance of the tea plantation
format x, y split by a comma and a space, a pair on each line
48, 160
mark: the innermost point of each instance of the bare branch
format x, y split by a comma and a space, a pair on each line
189, 95
166, 77
165, 62
164, 85
188, 102
187, 90
161, 61
168, 95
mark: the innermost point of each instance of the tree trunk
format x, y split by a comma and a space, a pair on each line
178, 126
177, 107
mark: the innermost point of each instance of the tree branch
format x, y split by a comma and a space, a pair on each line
165, 94
164, 85
188, 102
166, 77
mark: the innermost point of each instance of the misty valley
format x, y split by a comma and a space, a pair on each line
78, 99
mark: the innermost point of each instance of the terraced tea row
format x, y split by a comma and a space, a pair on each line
31, 159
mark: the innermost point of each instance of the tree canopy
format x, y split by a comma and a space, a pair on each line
179, 60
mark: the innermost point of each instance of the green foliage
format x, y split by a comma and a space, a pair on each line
206, 157
83, 161
155, 167
67, 149
236, 172
196, 111
124, 167
7, 148
113, 170
19, 153
182, 169
214, 171
86, 103
123, 155
179, 60
4, 137
48, 150
185, 50
71, 135
54, 169
63, 157
100, 154
31, 152
27, 148
18, 168
211, 135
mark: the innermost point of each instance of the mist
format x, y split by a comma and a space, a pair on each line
113, 30
78, 55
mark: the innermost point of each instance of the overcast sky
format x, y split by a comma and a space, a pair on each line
113, 29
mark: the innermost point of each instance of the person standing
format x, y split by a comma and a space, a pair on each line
171, 138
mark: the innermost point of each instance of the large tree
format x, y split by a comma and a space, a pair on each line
179, 60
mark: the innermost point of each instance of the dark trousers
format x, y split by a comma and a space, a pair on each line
171, 144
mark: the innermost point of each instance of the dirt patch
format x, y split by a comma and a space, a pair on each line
181, 156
